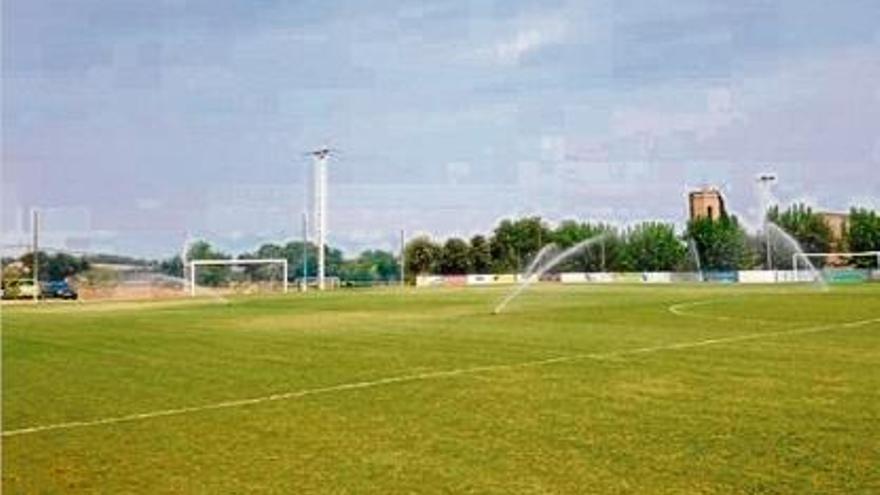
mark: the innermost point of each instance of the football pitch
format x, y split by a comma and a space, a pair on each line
611, 389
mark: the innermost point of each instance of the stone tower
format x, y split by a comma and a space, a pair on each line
706, 203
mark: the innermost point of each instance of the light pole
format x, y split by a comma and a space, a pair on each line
35, 264
765, 181
305, 252
184, 265
320, 156
402, 257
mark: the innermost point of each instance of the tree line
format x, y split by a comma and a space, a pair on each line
721, 244
369, 267
55, 266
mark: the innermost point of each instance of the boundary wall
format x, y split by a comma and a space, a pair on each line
740, 277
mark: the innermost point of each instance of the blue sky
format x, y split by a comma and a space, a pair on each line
132, 124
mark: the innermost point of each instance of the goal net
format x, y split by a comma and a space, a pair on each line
237, 276
840, 266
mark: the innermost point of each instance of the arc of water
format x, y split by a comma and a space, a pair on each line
537, 259
765, 200
792, 243
559, 258
692, 246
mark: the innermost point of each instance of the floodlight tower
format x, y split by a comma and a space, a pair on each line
765, 181
35, 262
305, 252
184, 260
320, 157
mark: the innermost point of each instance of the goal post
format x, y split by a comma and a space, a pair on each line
836, 256
194, 264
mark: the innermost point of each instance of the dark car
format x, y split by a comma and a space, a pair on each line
57, 289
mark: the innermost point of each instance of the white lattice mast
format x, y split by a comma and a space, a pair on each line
765, 182
320, 205
184, 259
305, 252
35, 262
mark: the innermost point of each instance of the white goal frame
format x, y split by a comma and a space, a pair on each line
807, 256
264, 261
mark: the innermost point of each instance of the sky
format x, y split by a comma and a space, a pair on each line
132, 125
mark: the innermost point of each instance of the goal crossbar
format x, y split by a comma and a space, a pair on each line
862, 253
263, 261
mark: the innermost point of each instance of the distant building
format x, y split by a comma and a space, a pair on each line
706, 203
837, 223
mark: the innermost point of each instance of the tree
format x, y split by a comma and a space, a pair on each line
591, 258
570, 232
721, 244
480, 255
652, 247
382, 264
293, 253
806, 227
454, 258
422, 256
334, 263
208, 275
863, 234
369, 267
13, 271
333, 260
63, 265
57, 266
172, 266
514, 243
611, 250
266, 272
357, 271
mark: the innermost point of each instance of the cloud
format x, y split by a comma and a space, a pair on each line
528, 37
820, 108
659, 123
529, 40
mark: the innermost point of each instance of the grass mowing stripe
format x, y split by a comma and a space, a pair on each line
436, 374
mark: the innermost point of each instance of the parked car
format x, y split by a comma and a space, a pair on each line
57, 289
19, 289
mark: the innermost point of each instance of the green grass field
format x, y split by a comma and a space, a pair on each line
641, 389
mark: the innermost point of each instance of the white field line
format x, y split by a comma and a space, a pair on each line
429, 376
678, 310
